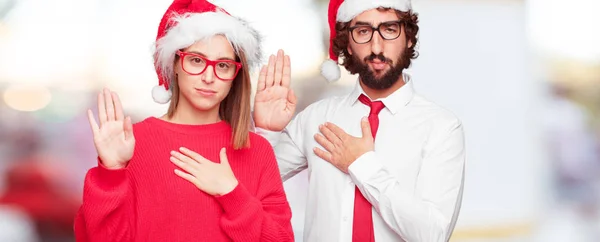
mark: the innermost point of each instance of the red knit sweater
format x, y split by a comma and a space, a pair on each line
146, 201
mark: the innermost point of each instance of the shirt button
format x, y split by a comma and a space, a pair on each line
345, 218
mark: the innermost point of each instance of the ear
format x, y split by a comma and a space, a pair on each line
409, 43
176, 66
175, 76
349, 49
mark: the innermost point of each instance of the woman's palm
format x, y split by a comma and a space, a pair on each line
113, 138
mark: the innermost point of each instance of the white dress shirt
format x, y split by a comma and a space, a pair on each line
413, 178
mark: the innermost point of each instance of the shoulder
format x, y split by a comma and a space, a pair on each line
320, 108
439, 116
259, 144
260, 154
144, 123
143, 126
328, 102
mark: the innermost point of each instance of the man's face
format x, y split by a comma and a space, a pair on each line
379, 61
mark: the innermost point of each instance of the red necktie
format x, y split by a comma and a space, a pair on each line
362, 226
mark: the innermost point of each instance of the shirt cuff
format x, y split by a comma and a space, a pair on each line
237, 201
271, 136
365, 167
108, 178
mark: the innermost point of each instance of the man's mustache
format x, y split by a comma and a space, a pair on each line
380, 57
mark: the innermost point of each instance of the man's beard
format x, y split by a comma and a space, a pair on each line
367, 76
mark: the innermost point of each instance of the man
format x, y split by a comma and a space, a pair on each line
384, 163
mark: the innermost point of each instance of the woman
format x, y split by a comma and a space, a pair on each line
196, 173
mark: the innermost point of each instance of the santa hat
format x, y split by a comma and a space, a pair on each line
188, 21
341, 11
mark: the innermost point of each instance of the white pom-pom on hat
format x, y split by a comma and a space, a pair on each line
330, 70
161, 95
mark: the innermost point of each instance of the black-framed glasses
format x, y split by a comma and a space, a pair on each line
363, 33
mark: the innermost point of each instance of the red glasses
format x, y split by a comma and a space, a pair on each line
195, 64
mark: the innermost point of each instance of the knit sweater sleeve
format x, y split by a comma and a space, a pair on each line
107, 212
265, 216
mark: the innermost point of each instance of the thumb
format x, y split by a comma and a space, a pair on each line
291, 102
128, 128
291, 97
366, 128
223, 156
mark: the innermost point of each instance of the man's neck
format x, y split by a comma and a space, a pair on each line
383, 93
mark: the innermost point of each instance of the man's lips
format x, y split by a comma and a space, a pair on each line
378, 65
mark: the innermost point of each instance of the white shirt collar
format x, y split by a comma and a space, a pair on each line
394, 101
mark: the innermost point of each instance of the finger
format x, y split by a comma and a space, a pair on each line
292, 101
186, 166
187, 177
323, 154
128, 128
287, 72
331, 137
339, 132
270, 72
193, 155
93, 124
183, 158
366, 128
110, 106
324, 142
223, 156
262, 77
118, 107
101, 109
278, 68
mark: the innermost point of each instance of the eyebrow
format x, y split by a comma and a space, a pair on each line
362, 23
203, 55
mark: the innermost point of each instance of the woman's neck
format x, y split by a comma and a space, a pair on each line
188, 114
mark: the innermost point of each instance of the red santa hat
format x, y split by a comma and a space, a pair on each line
188, 21
341, 11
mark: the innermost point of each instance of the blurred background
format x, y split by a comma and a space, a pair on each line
523, 75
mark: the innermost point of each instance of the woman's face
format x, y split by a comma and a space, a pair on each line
214, 58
